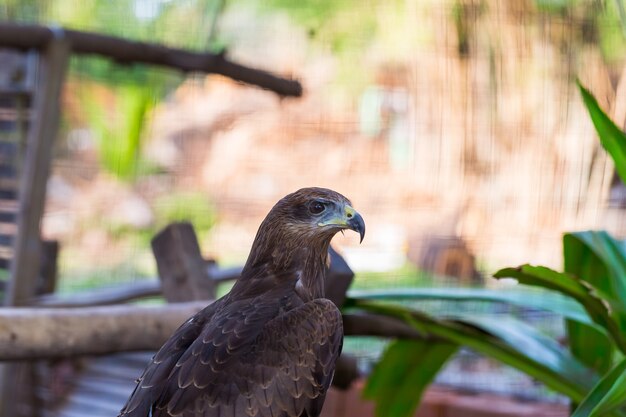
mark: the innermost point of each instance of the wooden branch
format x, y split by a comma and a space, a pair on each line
127, 52
47, 333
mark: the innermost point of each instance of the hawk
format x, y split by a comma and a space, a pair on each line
268, 348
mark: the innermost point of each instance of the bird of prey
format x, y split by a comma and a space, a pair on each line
268, 348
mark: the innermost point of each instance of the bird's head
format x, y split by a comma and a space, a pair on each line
302, 224
291, 245
316, 214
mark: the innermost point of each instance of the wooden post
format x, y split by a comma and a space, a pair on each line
182, 269
47, 278
16, 392
27, 255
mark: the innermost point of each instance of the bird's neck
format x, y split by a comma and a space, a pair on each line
301, 263
312, 274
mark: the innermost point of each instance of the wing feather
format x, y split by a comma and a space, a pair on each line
156, 374
278, 364
249, 358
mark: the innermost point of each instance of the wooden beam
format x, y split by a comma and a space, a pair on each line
41, 136
127, 52
379, 326
47, 333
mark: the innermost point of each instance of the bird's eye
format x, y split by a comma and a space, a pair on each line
316, 207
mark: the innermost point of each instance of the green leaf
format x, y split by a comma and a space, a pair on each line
541, 276
600, 260
534, 344
611, 137
405, 370
607, 395
571, 286
595, 349
509, 342
545, 300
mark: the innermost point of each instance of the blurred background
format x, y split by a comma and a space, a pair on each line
454, 119
454, 126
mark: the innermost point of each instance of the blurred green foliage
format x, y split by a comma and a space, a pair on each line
118, 124
185, 206
344, 25
183, 24
118, 133
592, 22
79, 276
129, 257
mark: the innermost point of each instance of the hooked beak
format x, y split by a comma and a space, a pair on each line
348, 219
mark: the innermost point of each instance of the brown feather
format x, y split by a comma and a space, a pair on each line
269, 347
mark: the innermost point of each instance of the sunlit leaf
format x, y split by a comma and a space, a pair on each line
507, 342
572, 286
